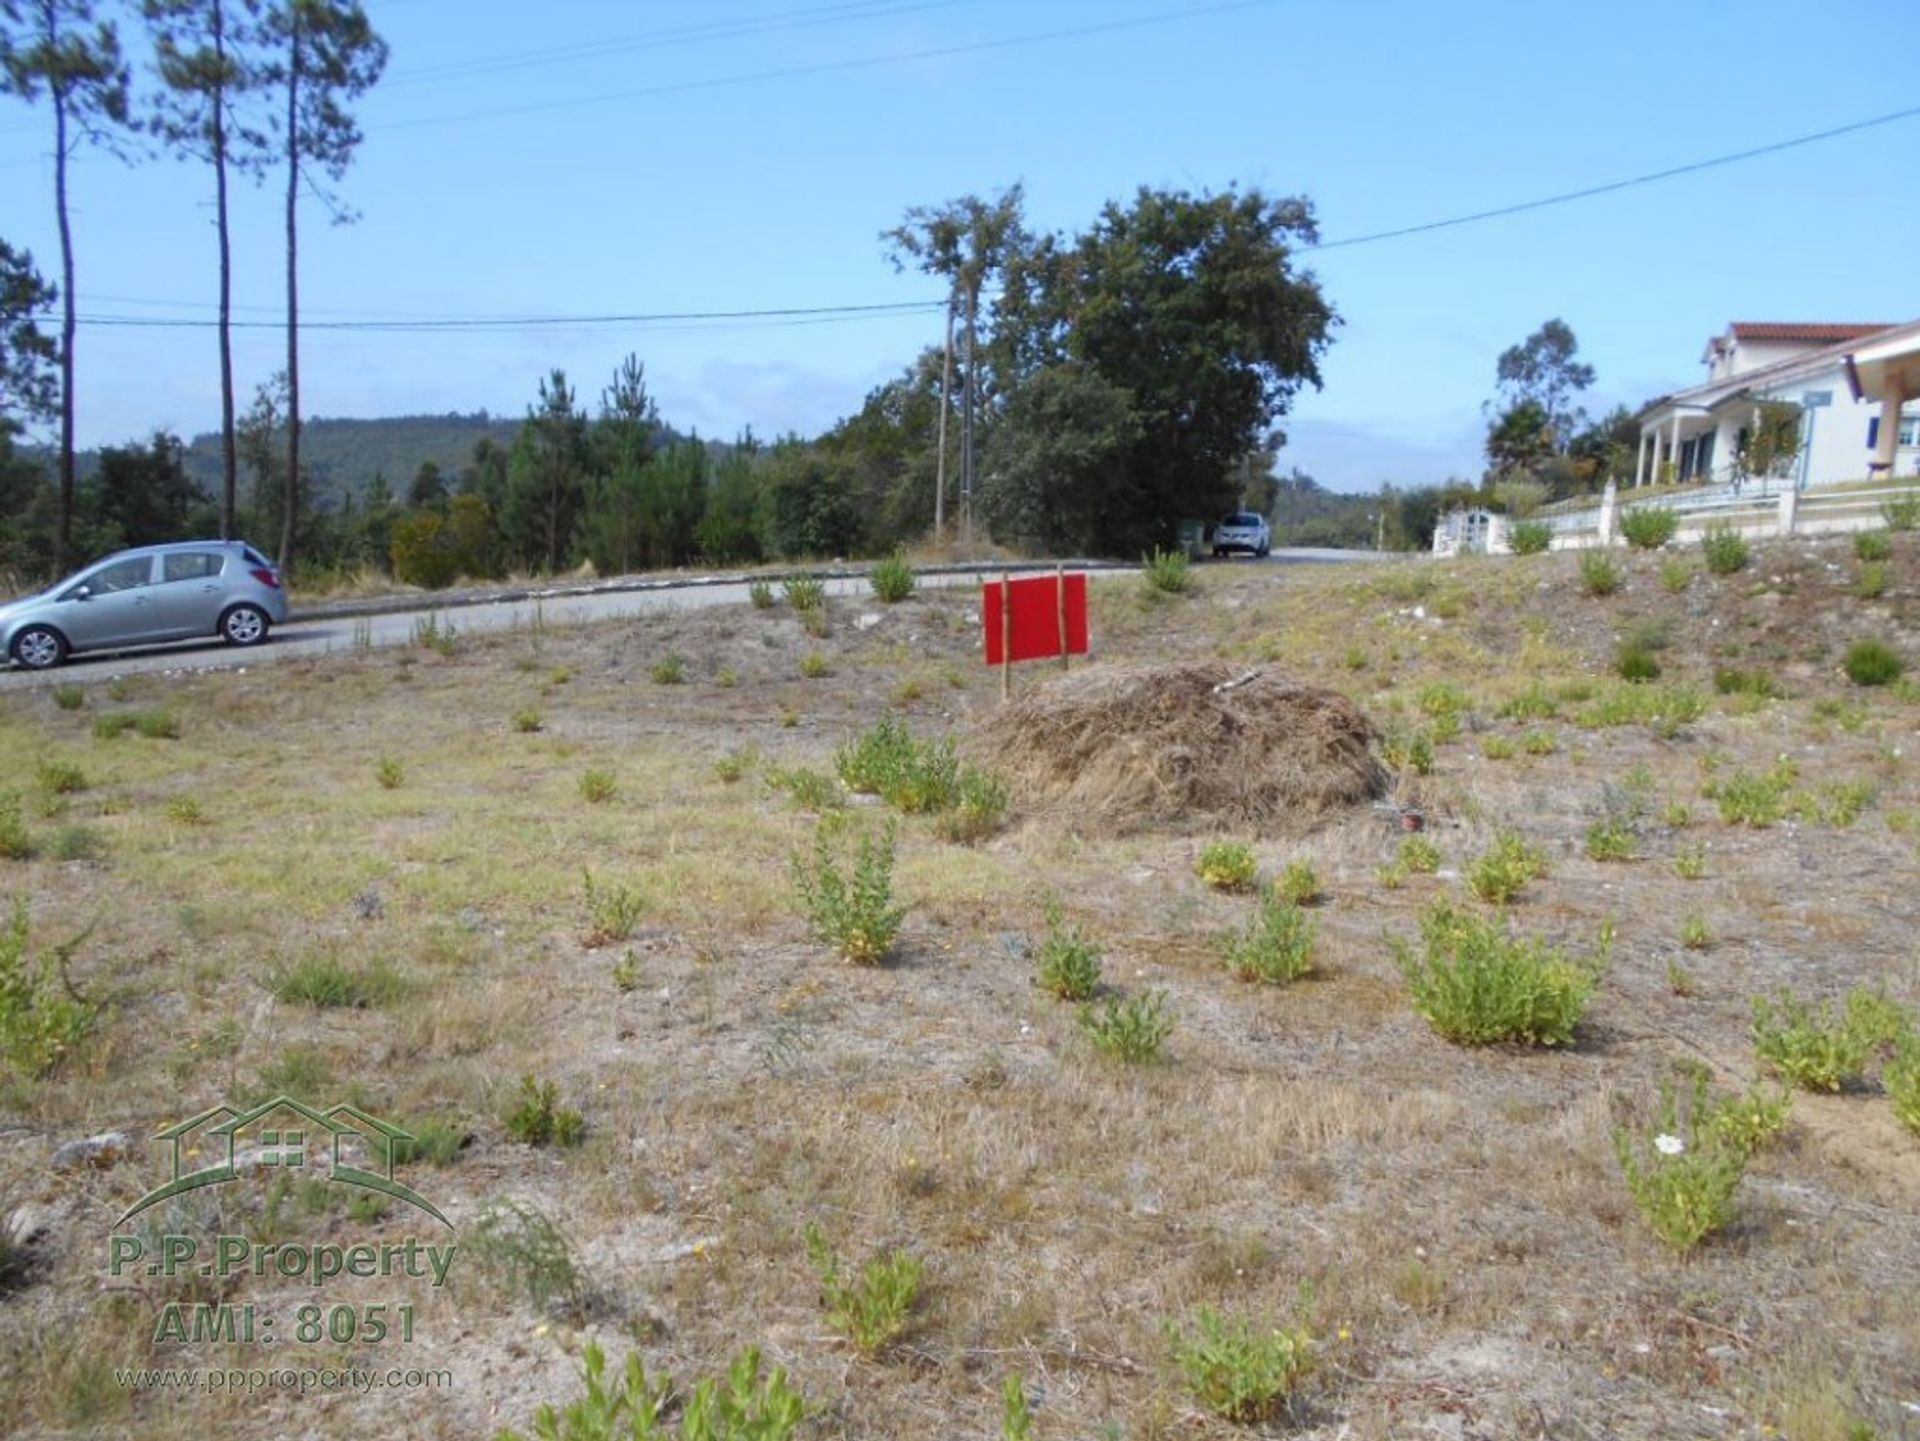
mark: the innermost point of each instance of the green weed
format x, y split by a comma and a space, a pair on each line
598, 786
1132, 1030
613, 912
1166, 572
1502, 873
892, 579
854, 913
1069, 964
536, 1117
1477, 985
875, 1308
1599, 576
1243, 1369
1228, 865
1872, 662
1277, 945
1725, 550
1649, 527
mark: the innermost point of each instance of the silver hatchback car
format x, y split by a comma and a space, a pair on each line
156, 593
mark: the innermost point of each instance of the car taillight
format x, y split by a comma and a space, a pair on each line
265, 577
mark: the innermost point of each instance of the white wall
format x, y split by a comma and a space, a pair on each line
1839, 452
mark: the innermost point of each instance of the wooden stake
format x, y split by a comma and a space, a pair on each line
1060, 594
1006, 637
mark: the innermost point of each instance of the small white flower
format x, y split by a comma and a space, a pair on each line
1669, 1145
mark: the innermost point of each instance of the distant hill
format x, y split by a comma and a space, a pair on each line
341, 457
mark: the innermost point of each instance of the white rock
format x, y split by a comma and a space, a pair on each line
103, 1150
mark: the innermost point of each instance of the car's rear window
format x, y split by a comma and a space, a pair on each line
1248, 520
253, 556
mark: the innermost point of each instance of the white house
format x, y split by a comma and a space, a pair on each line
1850, 380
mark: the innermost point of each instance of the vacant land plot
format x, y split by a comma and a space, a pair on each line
537, 899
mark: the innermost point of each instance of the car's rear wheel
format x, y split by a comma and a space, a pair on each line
244, 625
39, 647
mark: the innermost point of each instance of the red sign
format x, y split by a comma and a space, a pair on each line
1045, 608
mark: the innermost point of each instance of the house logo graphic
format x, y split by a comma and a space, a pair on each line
286, 1135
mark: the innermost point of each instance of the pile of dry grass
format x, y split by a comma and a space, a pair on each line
1184, 746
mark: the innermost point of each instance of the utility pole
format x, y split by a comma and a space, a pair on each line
940, 460
966, 423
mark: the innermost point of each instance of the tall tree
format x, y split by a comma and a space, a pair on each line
206, 53
1542, 369
328, 55
623, 436
29, 358
967, 242
546, 477
54, 47
1191, 307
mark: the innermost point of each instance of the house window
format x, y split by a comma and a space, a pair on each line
1909, 431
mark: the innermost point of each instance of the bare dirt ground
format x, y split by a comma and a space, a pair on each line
1477, 1266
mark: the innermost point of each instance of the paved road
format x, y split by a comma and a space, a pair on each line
345, 634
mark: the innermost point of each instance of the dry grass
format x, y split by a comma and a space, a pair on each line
1478, 1267
1179, 747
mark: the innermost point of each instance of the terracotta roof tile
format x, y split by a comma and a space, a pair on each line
1820, 334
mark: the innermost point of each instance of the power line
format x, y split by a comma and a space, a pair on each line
783, 315
829, 67
1616, 185
666, 38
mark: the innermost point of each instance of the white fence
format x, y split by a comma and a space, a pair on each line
1754, 510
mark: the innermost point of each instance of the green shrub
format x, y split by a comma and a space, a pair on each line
627, 976
536, 1117
1530, 537
1662, 708
186, 811
1599, 576
1069, 964
1502, 873
69, 697
1611, 841
1277, 945
1533, 703
1166, 572
1407, 749
735, 764
1746, 682
527, 721
613, 912
1675, 575
598, 786
1746, 1123
1499, 748
390, 773
1297, 884
43, 1019
1132, 1030
1649, 527
761, 595
1477, 985
1903, 511
1228, 865
1690, 862
1872, 581
804, 593
1244, 1369
1876, 1019
726, 677
809, 789
1872, 662
15, 843
1539, 743
322, 980
853, 913
871, 1310
813, 665
1695, 934
61, 778
1683, 1174
153, 724
1420, 855
668, 670
892, 579
1016, 1415
979, 807
874, 761
1902, 1080
433, 633
436, 1140
1636, 664
1759, 801
745, 1407
1725, 550
529, 1253
1810, 1046
77, 843
1872, 544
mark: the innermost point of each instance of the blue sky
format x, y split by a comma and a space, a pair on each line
642, 171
